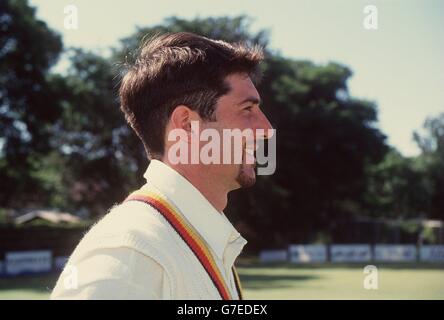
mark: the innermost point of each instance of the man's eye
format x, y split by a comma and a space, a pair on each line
249, 108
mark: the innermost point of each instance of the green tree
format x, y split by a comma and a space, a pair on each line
102, 157
398, 187
432, 158
28, 48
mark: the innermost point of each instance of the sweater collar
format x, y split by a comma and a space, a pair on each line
211, 224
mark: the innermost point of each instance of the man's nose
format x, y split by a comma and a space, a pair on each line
266, 128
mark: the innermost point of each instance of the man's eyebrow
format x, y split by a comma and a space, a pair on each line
252, 100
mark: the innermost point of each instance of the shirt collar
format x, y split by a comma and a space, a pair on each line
212, 225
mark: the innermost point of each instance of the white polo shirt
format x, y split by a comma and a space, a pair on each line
134, 253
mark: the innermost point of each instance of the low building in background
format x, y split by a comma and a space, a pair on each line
54, 217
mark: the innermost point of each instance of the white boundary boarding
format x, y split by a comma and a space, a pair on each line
355, 253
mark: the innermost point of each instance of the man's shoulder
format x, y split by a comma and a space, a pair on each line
132, 243
128, 217
131, 224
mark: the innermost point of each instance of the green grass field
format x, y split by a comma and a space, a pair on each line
293, 282
342, 282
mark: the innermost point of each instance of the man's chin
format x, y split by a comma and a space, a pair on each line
247, 176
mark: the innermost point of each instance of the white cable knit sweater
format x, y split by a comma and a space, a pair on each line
133, 253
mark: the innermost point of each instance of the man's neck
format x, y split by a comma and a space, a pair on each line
208, 187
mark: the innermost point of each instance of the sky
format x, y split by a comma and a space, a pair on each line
399, 65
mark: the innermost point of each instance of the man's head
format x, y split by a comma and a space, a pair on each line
182, 77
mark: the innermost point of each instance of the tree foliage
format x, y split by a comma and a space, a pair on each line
28, 48
65, 143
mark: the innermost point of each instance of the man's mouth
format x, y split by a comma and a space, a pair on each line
250, 158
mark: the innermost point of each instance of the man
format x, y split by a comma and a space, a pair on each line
171, 239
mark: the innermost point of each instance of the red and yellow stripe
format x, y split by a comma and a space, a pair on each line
238, 284
189, 235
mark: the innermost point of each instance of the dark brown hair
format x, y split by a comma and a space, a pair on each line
180, 68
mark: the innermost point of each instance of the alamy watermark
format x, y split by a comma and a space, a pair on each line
370, 21
71, 20
232, 146
371, 280
71, 277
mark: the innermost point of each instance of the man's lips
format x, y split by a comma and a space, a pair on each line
249, 157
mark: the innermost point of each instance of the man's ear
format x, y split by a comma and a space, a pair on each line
182, 117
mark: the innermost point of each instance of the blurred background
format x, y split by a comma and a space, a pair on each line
355, 93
